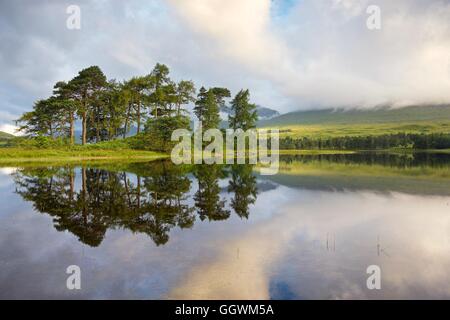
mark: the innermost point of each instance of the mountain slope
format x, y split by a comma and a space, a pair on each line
372, 116
4, 135
263, 113
5, 138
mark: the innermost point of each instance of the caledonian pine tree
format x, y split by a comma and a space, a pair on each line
207, 106
207, 109
243, 113
85, 88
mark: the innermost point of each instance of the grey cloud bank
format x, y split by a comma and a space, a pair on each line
316, 54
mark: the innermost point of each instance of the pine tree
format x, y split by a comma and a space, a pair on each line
243, 114
85, 88
207, 106
185, 94
66, 105
200, 103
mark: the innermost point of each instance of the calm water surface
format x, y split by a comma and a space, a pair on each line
158, 231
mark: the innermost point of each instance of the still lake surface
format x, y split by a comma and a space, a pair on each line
158, 231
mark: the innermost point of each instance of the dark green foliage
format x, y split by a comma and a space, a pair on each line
40, 142
399, 140
158, 132
207, 109
199, 108
243, 184
221, 94
108, 109
185, 94
86, 89
244, 115
45, 119
207, 198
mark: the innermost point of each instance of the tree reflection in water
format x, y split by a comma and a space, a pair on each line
150, 198
207, 198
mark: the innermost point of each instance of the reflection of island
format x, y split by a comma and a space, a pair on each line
88, 201
207, 198
243, 185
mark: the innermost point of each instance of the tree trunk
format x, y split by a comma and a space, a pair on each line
84, 119
125, 129
72, 129
84, 134
139, 117
126, 122
97, 126
97, 139
52, 131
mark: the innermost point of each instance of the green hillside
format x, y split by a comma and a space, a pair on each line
4, 135
331, 123
377, 115
4, 138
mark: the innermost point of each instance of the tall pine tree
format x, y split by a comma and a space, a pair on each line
243, 113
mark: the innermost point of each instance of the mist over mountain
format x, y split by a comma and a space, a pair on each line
433, 113
264, 113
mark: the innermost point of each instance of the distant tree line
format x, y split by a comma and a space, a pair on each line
107, 109
372, 142
397, 160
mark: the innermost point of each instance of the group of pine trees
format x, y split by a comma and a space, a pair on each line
153, 104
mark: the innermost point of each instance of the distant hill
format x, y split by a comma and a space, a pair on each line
5, 137
361, 116
264, 113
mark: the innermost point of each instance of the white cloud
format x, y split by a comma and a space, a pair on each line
318, 53
322, 54
9, 128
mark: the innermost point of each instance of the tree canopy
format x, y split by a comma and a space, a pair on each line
243, 114
153, 104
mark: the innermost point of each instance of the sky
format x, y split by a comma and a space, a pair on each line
291, 54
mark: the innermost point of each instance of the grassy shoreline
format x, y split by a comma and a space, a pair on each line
20, 155
80, 154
